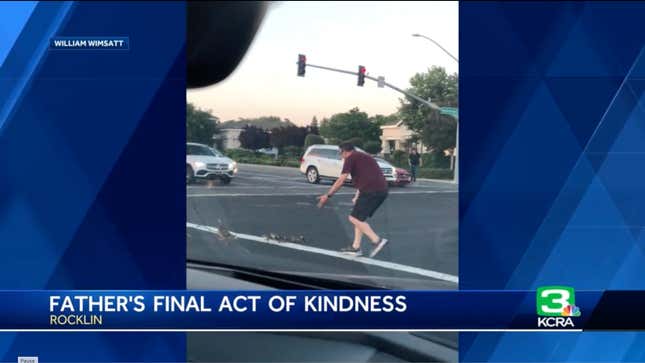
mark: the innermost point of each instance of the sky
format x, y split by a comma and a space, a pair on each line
377, 35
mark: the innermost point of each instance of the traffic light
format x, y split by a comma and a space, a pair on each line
361, 76
302, 63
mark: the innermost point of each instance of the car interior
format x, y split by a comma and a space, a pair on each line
303, 346
219, 34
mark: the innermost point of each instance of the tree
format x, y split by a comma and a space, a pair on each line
313, 130
264, 122
372, 147
356, 141
437, 131
352, 124
381, 120
313, 127
313, 139
288, 136
254, 138
201, 126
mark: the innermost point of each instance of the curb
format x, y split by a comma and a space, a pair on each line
438, 181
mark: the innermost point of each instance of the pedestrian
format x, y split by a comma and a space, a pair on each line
371, 192
414, 160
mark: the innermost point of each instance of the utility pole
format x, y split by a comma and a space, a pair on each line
456, 158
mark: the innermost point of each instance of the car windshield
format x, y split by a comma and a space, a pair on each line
263, 211
200, 150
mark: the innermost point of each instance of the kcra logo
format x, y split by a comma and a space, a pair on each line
555, 307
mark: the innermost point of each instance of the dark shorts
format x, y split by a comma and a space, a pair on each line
367, 203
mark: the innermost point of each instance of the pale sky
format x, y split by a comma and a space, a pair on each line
342, 35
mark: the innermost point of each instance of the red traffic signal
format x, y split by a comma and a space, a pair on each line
302, 63
361, 76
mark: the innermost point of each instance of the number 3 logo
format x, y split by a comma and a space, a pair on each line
551, 300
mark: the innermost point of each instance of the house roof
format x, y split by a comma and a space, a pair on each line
392, 124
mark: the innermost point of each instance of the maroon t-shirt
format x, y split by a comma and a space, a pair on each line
367, 176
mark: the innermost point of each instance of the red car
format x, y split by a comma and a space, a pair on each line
399, 177
403, 177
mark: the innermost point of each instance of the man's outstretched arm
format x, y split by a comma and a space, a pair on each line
334, 188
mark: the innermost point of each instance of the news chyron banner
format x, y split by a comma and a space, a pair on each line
550, 307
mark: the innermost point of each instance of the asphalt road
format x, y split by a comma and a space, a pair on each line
274, 210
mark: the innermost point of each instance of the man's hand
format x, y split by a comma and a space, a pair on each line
334, 188
322, 200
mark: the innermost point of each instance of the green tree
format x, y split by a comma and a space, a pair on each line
254, 138
372, 147
356, 141
437, 131
348, 125
264, 122
201, 126
381, 120
288, 136
313, 139
314, 127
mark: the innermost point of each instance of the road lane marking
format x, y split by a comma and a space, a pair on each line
315, 193
365, 260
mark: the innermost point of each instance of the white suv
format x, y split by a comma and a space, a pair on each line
324, 162
207, 163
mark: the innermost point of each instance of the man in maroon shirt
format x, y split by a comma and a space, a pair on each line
371, 192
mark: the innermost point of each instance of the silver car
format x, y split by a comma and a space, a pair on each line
203, 162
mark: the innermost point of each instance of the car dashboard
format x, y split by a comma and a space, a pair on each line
305, 346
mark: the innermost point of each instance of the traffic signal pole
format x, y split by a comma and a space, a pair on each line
411, 95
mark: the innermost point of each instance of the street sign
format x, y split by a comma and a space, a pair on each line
450, 111
381, 82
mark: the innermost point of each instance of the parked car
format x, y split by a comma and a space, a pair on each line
324, 162
203, 162
402, 177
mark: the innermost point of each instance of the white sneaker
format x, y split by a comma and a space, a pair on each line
351, 251
379, 247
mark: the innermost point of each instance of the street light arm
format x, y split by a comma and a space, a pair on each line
456, 157
438, 45
429, 104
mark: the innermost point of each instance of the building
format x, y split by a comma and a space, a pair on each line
396, 136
